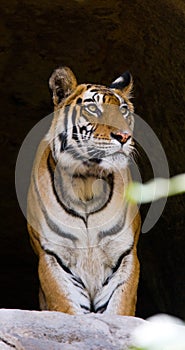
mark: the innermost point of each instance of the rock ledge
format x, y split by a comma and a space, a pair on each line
48, 330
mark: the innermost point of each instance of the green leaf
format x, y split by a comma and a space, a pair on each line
155, 189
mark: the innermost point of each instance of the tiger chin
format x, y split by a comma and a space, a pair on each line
81, 227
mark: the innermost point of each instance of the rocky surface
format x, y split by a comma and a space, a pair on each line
45, 330
98, 40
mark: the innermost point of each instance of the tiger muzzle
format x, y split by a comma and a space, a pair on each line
122, 137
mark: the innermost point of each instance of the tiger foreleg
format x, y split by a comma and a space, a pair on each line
59, 290
119, 295
123, 301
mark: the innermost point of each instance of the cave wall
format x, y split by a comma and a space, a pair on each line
98, 40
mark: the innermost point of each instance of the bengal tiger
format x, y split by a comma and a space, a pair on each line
81, 227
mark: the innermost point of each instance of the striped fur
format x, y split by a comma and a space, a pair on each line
82, 229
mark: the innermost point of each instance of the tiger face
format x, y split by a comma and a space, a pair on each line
93, 124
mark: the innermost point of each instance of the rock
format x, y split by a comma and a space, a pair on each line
48, 330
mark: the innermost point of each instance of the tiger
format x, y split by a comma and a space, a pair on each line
81, 226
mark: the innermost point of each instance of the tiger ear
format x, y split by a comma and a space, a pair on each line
123, 83
62, 83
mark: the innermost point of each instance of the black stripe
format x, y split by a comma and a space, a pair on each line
68, 210
79, 100
53, 226
127, 252
85, 307
71, 150
66, 116
92, 307
74, 116
94, 90
103, 307
75, 134
110, 180
115, 229
88, 100
59, 261
54, 148
62, 136
78, 286
83, 128
118, 264
82, 176
95, 160
63, 140
79, 283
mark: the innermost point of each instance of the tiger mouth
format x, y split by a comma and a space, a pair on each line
97, 153
106, 151
101, 155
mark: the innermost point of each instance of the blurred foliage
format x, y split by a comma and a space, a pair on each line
161, 332
155, 189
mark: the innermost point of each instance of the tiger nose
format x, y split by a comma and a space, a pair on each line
122, 137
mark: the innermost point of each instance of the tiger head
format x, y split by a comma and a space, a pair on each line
93, 124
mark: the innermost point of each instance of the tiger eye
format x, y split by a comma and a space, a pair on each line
124, 109
92, 108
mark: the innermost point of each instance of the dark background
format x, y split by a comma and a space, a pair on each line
98, 40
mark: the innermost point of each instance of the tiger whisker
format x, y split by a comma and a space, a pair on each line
134, 154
